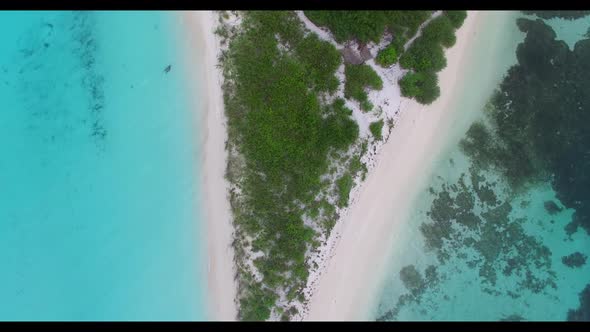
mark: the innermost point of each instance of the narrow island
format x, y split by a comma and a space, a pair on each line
310, 99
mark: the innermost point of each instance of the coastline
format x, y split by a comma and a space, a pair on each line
460, 289
420, 133
203, 46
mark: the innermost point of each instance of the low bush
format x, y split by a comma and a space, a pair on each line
457, 17
376, 129
344, 185
421, 86
387, 56
358, 78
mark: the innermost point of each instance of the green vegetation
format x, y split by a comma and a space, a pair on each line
387, 56
369, 26
426, 52
340, 130
321, 60
361, 25
376, 129
339, 107
390, 54
344, 185
405, 23
359, 77
425, 57
457, 17
366, 26
440, 29
257, 305
356, 165
283, 135
421, 86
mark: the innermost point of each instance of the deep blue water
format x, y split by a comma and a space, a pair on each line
99, 215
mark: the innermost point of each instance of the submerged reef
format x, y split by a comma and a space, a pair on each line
412, 278
415, 283
576, 259
534, 131
85, 49
463, 222
51, 111
535, 125
565, 14
512, 318
583, 311
552, 207
477, 230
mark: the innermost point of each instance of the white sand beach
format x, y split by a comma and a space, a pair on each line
200, 26
347, 287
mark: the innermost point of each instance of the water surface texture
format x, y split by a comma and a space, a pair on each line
502, 230
98, 219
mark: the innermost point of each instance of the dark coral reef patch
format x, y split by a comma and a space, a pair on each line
536, 124
534, 132
583, 311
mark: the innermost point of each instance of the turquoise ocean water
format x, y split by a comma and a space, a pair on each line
98, 173
501, 230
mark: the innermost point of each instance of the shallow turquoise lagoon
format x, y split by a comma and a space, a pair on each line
480, 245
99, 214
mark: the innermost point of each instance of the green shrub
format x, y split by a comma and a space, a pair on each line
321, 60
398, 44
340, 130
376, 129
421, 86
366, 105
362, 25
369, 25
355, 165
344, 185
429, 90
424, 55
340, 107
284, 135
410, 84
387, 56
404, 24
457, 17
359, 77
256, 306
346, 25
440, 30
